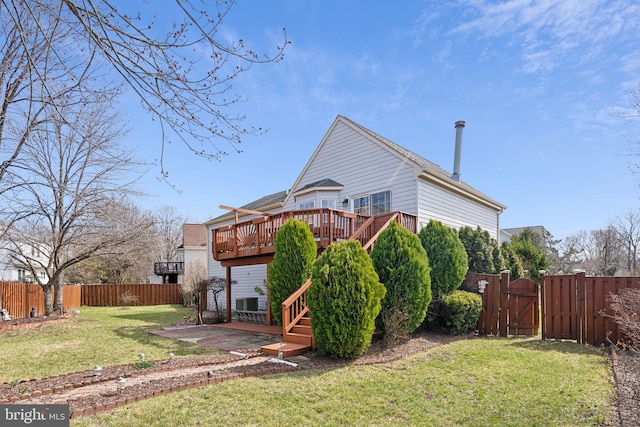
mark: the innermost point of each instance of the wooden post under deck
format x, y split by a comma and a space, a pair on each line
268, 299
228, 295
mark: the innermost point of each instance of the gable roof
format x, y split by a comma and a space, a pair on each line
324, 184
265, 203
194, 235
430, 172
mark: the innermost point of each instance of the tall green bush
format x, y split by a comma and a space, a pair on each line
512, 261
479, 249
403, 268
447, 257
344, 300
296, 250
533, 259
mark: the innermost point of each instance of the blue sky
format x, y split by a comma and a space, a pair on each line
542, 85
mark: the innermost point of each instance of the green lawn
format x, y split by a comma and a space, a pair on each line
98, 336
474, 382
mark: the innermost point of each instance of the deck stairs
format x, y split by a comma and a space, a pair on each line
297, 342
297, 336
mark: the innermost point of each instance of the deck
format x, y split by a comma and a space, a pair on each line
256, 238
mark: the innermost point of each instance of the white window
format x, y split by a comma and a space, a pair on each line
373, 204
381, 203
21, 275
331, 204
307, 205
361, 205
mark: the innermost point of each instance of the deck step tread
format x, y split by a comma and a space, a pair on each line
288, 349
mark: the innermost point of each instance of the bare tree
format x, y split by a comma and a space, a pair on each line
168, 232
182, 75
194, 280
597, 251
69, 183
130, 261
628, 234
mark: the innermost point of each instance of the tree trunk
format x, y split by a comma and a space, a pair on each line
48, 301
56, 282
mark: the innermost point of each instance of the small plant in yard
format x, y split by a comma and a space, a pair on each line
626, 313
128, 299
459, 311
14, 383
144, 364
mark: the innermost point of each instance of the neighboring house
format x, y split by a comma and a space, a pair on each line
193, 248
506, 234
356, 170
14, 267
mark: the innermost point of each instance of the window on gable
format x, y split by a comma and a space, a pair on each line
373, 204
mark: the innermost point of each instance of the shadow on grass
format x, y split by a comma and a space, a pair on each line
162, 344
155, 318
561, 346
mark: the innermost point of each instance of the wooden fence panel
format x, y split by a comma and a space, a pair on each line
600, 329
20, 298
488, 321
560, 307
109, 295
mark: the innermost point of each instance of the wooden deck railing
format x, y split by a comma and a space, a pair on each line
380, 223
258, 236
295, 308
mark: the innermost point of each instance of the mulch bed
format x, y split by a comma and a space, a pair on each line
30, 322
626, 373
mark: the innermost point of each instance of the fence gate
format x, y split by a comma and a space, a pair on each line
508, 308
522, 314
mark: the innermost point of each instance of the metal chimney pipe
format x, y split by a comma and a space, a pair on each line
459, 125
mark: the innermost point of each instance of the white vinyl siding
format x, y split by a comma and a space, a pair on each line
453, 210
363, 167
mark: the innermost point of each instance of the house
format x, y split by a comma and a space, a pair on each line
506, 234
19, 251
353, 174
192, 250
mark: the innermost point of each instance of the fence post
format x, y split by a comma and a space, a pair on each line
543, 319
504, 301
581, 309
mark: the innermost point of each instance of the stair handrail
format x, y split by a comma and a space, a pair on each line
369, 245
295, 307
365, 225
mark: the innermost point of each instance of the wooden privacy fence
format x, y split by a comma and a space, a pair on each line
577, 307
145, 294
573, 306
19, 298
508, 308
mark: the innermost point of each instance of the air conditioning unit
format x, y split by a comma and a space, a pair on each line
247, 304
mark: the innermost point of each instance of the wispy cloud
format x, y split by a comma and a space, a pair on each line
548, 32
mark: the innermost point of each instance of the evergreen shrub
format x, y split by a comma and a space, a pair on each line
344, 300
